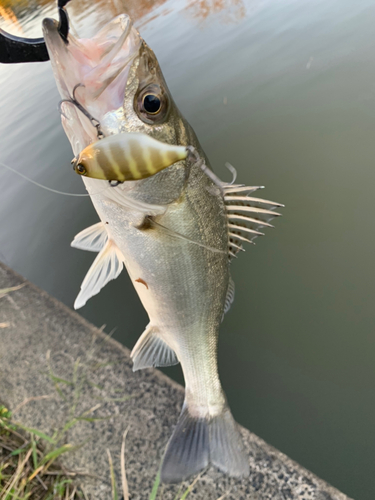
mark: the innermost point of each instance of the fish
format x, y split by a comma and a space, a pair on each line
175, 234
124, 157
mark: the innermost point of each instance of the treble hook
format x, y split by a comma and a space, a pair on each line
95, 123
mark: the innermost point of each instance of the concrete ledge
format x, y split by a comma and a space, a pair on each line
48, 350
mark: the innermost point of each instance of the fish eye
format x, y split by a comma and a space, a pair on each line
151, 104
80, 169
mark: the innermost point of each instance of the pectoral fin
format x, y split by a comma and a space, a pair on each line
151, 351
106, 267
230, 295
92, 238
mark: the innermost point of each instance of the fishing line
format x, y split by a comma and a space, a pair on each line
171, 232
221, 184
48, 188
233, 171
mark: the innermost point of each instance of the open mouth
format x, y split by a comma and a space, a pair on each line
95, 70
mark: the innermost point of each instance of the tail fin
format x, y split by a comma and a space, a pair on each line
197, 442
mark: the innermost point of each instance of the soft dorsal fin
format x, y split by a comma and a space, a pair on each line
92, 238
106, 267
151, 351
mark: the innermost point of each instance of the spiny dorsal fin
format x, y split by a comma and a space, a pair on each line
92, 238
246, 215
151, 351
106, 267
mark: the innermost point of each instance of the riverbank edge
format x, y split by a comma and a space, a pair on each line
43, 342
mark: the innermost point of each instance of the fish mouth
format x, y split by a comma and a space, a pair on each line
91, 75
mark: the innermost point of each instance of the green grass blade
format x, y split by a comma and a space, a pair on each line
186, 492
60, 487
96, 385
34, 453
75, 370
94, 419
155, 487
190, 487
113, 479
36, 432
17, 452
68, 425
178, 493
52, 455
60, 380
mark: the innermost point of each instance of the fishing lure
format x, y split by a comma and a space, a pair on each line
127, 157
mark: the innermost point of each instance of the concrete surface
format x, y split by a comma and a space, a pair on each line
68, 366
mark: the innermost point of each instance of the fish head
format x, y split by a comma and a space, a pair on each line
148, 104
93, 72
112, 82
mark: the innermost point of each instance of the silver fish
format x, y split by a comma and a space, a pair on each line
175, 234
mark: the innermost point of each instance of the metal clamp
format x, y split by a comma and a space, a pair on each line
15, 49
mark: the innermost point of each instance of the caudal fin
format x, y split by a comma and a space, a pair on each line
198, 442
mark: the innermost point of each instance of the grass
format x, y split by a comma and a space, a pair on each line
155, 489
5, 291
29, 466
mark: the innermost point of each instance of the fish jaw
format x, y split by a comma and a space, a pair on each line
100, 65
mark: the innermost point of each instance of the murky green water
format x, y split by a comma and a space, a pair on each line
297, 350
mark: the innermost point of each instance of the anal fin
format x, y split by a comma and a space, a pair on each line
151, 351
106, 267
